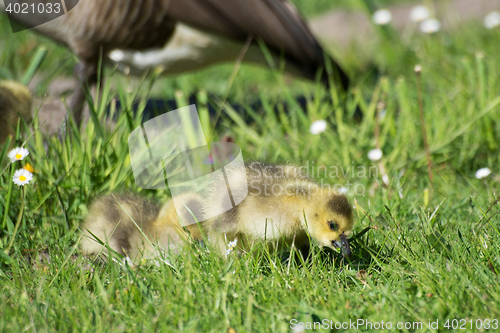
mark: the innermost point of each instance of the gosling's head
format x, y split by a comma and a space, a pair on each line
330, 221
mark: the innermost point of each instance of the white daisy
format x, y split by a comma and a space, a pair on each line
319, 126
300, 328
342, 190
375, 154
385, 180
231, 246
18, 154
430, 26
483, 173
492, 20
22, 177
382, 17
419, 14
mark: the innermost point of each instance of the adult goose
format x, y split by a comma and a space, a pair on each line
94, 27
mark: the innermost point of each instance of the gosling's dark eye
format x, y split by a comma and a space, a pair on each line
334, 226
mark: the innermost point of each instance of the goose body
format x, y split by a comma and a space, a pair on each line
188, 50
219, 28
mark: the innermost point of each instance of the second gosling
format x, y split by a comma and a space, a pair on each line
15, 104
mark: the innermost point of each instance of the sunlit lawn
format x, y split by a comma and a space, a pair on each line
432, 253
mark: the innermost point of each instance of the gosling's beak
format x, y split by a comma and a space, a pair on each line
343, 245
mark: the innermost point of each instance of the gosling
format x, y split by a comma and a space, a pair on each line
15, 104
283, 206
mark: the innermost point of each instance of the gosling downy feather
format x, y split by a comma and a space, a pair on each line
135, 227
283, 205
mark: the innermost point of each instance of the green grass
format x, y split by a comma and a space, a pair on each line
318, 7
433, 251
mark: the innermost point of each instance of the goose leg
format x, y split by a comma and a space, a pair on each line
86, 75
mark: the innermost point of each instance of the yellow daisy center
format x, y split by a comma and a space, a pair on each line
18, 156
22, 178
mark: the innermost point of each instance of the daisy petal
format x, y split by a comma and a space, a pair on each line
375, 154
419, 14
319, 126
430, 26
232, 244
342, 190
492, 20
18, 154
22, 177
382, 17
483, 173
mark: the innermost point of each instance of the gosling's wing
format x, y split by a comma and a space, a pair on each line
276, 22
